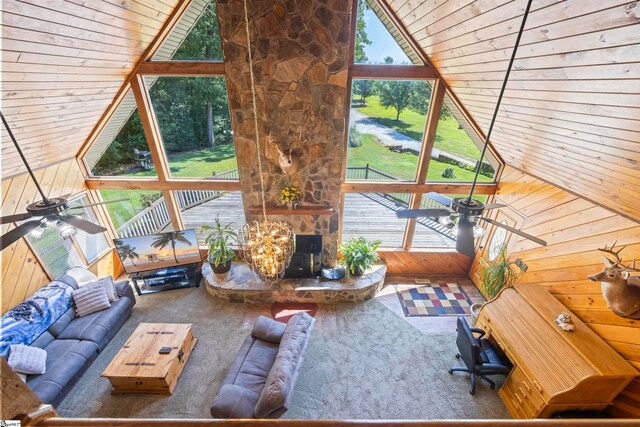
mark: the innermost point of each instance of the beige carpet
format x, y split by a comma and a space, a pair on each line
363, 362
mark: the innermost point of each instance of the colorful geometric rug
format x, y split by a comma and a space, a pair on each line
435, 299
282, 312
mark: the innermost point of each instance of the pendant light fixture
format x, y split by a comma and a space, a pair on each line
267, 246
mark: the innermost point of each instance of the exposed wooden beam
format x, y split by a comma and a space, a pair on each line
173, 208
409, 187
181, 68
122, 183
392, 72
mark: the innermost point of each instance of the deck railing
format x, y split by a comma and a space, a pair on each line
156, 216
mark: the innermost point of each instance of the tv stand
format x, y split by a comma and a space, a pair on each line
164, 279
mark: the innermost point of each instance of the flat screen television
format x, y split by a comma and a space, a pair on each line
156, 251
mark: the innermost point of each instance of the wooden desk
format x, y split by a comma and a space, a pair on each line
140, 368
553, 370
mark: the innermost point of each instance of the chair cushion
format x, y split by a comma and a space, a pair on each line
256, 366
99, 327
268, 329
66, 361
489, 353
284, 371
90, 299
27, 360
233, 401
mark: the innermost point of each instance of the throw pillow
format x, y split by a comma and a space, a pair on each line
109, 287
25, 359
81, 275
90, 299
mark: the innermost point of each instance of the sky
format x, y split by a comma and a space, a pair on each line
382, 43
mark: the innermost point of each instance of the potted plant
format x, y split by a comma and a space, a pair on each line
221, 253
500, 273
359, 254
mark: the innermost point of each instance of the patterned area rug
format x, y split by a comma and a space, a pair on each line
436, 299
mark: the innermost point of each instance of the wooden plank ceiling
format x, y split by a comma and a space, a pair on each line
571, 112
62, 63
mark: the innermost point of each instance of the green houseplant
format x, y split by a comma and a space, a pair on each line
221, 253
359, 254
500, 273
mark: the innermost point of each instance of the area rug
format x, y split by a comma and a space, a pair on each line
436, 299
282, 312
363, 362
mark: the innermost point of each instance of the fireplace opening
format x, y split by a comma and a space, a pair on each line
306, 261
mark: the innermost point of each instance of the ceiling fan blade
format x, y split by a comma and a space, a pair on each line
14, 218
81, 224
494, 206
440, 198
17, 233
464, 242
419, 213
515, 231
98, 204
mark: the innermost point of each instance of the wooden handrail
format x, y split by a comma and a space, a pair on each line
128, 422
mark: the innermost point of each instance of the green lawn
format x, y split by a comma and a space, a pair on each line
401, 165
122, 212
449, 137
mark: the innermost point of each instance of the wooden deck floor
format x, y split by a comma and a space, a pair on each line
362, 217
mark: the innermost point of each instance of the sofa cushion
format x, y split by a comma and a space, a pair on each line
29, 319
90, 299
256, 366
267, 329
99, 327
233, 401
66, 361
62, 322
43, 340
107, 283
27, 360
284, 372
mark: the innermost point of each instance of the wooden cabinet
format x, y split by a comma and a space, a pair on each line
553, 370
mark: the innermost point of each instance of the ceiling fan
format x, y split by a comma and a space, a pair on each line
48, 212
466, 212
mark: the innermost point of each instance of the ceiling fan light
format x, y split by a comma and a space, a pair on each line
65, 230
478, 231
39, 230
445, 220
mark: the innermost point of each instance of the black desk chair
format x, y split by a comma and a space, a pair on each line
479, 355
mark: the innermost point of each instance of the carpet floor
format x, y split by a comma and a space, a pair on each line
363, 362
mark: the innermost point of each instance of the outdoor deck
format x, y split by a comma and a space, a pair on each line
369, 216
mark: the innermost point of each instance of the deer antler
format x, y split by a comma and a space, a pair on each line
631, 267
616, 254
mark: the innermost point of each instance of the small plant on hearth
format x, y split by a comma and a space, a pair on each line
221, 253
289, 194
359, 254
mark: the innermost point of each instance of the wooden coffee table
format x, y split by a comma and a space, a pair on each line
140, 368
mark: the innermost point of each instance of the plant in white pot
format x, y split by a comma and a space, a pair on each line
501, 273
221, 253
359, 254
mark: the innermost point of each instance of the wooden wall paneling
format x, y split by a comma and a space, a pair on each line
63, 63
569, 115
450, 263
574, 229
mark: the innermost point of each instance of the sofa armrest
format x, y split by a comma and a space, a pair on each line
233, 401
124, 289
266, 329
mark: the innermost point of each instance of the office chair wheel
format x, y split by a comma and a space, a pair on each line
492, 386
472, 392
450, 371
457, 355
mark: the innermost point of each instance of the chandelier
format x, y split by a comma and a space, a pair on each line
267, 246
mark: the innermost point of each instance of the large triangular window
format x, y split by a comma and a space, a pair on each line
378, 40
121, 148
195, 37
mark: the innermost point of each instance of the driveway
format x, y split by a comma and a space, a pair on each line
388, 136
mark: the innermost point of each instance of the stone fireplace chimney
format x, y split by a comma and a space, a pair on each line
300, 59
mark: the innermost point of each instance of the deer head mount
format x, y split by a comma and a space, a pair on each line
620, 290
287, 158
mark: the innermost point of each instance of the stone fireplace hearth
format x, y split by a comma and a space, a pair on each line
300, 59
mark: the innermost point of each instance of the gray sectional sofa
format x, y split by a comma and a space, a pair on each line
72, 343
261, 379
